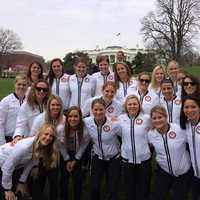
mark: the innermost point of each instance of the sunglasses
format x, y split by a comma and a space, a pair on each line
189, 83
144, 80
39, 89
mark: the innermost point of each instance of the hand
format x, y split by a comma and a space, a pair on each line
34, 172
70, 165
9, 195
20, 188
15, 140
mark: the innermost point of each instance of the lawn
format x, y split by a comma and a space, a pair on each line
6, 86
194, 70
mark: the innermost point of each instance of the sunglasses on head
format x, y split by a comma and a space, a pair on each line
39, 89
144, 80
189, 83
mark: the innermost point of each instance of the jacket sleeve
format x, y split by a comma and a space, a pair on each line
9, 166
3, 117
37, 124
22, 122
85, 141
27, 169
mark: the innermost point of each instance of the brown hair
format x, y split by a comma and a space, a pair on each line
80, 126
117, 78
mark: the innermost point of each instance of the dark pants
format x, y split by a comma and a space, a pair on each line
165, 182
137, 180
8, 138
195, 188
36, 185
76, 176
15, 178
110, 168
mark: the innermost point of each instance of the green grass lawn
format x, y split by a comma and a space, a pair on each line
6, 86
194, 70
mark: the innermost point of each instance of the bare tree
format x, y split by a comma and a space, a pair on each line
172, 27
9, 41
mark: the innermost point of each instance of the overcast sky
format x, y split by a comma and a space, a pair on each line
51, 28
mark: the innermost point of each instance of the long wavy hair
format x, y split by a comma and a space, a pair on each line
31, 100
29, 71
193, 79
49, 155
183, 117
48, 118
80, 126
154, 83
117, 78
50, 77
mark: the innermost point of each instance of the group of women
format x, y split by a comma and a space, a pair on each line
47, 125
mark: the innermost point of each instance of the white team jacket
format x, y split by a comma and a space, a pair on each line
148, 101
60, 87
174, 110
104, 138
13, 157
170, 148
79, 94
135, 147
112, 110
9, 108
100, 80
193, 139
122, 91
25, 119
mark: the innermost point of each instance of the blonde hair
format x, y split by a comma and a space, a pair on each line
132, 97
48, 118
21, 77
154, 83
50, 153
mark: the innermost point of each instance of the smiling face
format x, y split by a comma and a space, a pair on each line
99, 111
159, 75
104, 67
57, 68
55, 107
108, 93
191, 110
41, 90
159, 120
81, 69
122, 71
132, 107
73, 118
144, 81
47, 136
35, 70
20, 87
189, 86
173, 71
167, 90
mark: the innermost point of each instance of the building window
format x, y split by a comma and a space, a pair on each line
112, 59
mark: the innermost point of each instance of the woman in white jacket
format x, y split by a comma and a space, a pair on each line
9, 108
59, 81
26, 153
135, 150
36, 102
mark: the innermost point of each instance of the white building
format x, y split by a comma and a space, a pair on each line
111, 51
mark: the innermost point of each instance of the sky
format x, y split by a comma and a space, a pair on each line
52, 28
